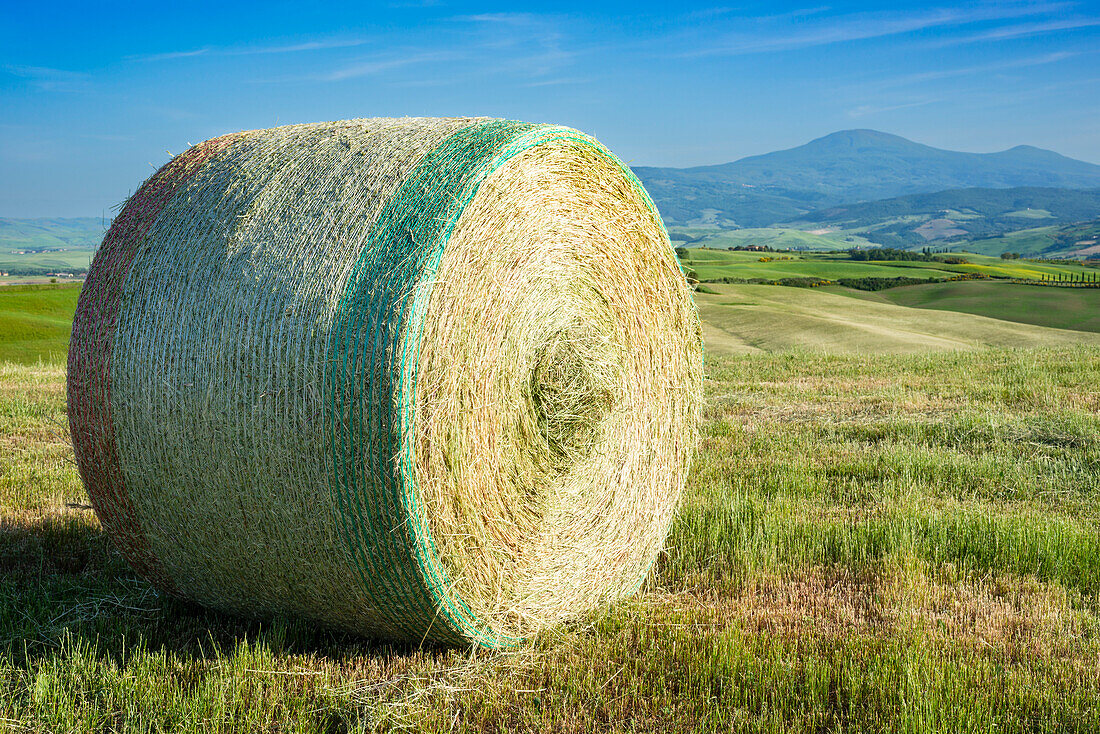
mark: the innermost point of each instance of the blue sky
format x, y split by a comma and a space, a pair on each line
94, 95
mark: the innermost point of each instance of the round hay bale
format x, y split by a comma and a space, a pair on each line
426, 379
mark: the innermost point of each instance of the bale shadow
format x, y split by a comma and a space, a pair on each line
62, 583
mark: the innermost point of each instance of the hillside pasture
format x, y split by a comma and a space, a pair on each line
40, 263
995, 267
711, 264
777, 238
1060, 308
35, 247
1052, 241
741, 319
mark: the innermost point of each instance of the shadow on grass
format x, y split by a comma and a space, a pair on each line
61, 580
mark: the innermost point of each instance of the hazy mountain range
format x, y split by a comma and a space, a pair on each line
842, 168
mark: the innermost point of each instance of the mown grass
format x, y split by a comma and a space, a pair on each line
867, 543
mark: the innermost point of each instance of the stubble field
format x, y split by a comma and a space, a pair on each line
875, 542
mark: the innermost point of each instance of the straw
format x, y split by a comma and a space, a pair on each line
426, 379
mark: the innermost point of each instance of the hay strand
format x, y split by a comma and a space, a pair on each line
429, 379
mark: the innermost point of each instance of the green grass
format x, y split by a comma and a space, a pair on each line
1060, 308
777, 238
76, 238
31, 263
866, 543
891, 525
712, 264
995, 267
1029, 214
35, 321
738, 319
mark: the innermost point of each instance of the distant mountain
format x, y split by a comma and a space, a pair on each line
932, 219
845, 167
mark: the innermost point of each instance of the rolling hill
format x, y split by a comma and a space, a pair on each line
39, 234
740, 319
1079, 240
1076, 309
844, 167
40, 246
710, 265
962, 214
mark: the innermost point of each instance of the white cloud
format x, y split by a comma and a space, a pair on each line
369, 67
1023, 30
865, 110
938, 74
48, 78
857, 27
317, 45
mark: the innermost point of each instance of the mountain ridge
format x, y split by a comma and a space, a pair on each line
844, 167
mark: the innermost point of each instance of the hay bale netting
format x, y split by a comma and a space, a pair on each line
430, 379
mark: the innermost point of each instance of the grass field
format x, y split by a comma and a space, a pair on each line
1036, 239
69, 261
738, 319
1060, 308
869, 541
35, 321
712, 264
995, 267
775, 237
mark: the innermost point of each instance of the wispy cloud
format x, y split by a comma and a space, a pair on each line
47, 78
856, 27
297, 47
317, 45
865, 110
369, 67
558, 82
798, 13
502, 18
534, 44
1023, 30
170, 55
939, 74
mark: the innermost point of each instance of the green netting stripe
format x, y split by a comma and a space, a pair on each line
371, 379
